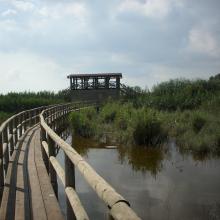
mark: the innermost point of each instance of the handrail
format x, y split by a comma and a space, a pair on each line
50, 117
10, 132
118, 205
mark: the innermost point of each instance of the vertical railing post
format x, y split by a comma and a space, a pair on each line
32, 120
1, 168
20, 126
12, 137
15, 121
35, 116
22, 123
53, 111
29, 118
5, 141
56, 118
63, 115
69, 182
25, 116
44, 155
52, 172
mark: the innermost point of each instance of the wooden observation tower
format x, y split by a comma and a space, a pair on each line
96, 87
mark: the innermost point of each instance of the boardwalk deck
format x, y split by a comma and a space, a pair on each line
28, 193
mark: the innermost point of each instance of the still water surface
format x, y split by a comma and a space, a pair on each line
159, 183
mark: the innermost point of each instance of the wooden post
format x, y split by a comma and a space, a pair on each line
20, 126
118, 86
22, 123
1, 168
16, 130
25, 121
52, 172
32, 120
53, 119
35, 119
107, 79
29, 117
12, 137
6, 155
44, 154
69, 181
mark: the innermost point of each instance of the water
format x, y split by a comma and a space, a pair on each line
159, 183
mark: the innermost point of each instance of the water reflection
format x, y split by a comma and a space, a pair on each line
139, 158
143, 159
175, 184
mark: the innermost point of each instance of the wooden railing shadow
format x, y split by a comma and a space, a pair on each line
10, 133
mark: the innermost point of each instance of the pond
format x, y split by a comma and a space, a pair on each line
161, 183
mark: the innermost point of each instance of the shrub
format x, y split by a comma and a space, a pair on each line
198, 123
148, 129
108, 112
81, 124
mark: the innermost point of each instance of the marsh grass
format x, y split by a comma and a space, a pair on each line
82, 122
188, 111
196, 130
121, 123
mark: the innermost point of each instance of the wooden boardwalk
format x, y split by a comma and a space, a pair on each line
29, 169
28, 193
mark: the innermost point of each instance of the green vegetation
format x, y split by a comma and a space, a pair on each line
121, 123
188, 111
15, 102
3, 116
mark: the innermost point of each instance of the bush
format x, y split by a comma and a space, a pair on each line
148, 129
81, 123
108, 112
198, 123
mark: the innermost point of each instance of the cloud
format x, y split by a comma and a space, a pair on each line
147, 40
23, 5
60, 10
9, 12
202, 41
149, 8
7, 25
26, 71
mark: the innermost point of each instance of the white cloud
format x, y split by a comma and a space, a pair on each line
26, 71
202, 41
149, 8
8, 25
23, 5
60, 10
9, 12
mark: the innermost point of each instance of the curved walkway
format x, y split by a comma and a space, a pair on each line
28, 193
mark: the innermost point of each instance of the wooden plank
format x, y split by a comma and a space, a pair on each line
19, 204
37, 203
22, 205
7, 210
50, 202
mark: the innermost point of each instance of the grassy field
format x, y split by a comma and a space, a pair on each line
188, 111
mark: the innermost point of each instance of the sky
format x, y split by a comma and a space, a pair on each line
148, 41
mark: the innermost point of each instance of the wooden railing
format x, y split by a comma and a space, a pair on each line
50, 119
10, 132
